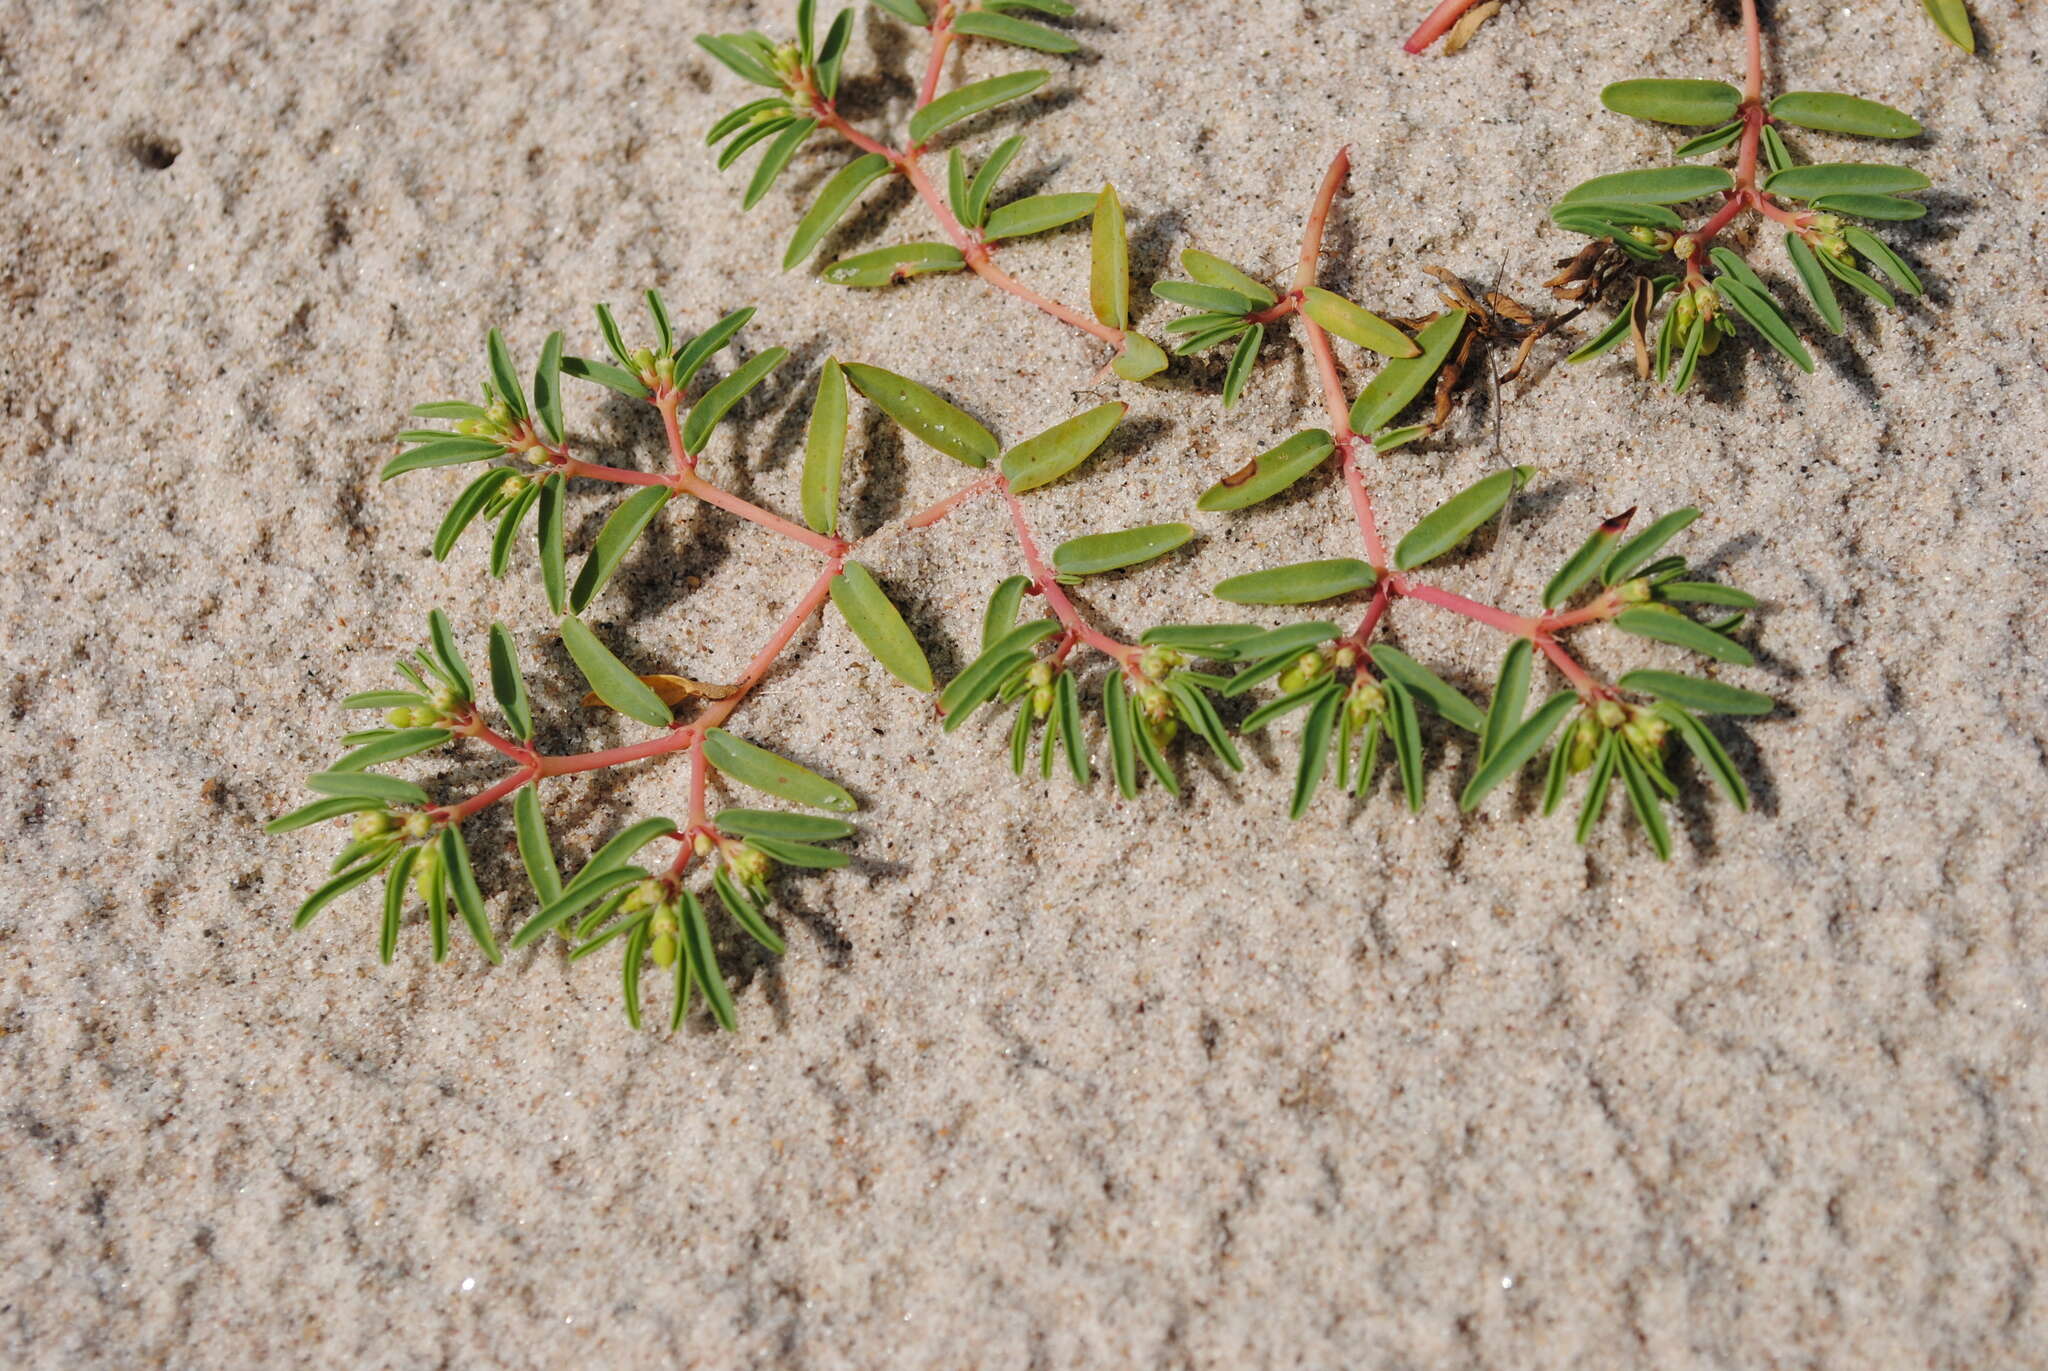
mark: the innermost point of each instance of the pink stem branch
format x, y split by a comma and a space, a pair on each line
1437, 24
690, 483
1470, 609
1056, 598
931, 514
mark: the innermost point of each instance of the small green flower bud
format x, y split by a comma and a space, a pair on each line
1155, 704
470, 427
1610, 714
1635, 591
1163, 730
1685, 312
750, 862
417, 825
514, 488
664, 951
1825, 223
663, 924
446, 700
373, 825
1684, 247
1644, 235
1157, 661
498, 415
1041, 701
1040, 674
643, 363
642, 896
665, 371
701, 845
1365, 702
427, 870
1346, 657
399, 716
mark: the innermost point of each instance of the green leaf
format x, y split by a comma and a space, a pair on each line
1214, 299
547, 388
1402, 379
1123, 743
1218, 642
1645, 545
1109, 275
739, 58
1139, 357
1270, 472
337, 887
1777, 156
776, 823
825, 450
1857, 281
363, 785
1596, 792
1815, 278
1045, 457
508, 529
701, 348
1022, 33
745, 913
832, 53
891, 265
801, 855
1851, 114
1643, 799
1606, 216
1155, 761
1886, 261
704, 962
1399, 437
504, 379
731, 122
1214, 271
756, 766
1281, 707
614, 854
468, 898
1452, 704
1660, 186
1458, 518
1762, 315
442, 638
1705, 593
1708, 697
1241, 363
589, 887
775, 159
1066, 704
391, 747
1952, 17
322, 810
985, 177
1200, 715
1843, 178
1669, 626
1315, 750
1516, 750
705, 414
536, 853
806, 30
832, 203
1405, 732
956, 184
1709, 142
1096, 553
1510, 696
924, 415
1339, 316
604, 374
448, 409
609, 678
1001, 615
909, 11
1020, 738
876, 621
395, 878
1037, 214
1674, 102
1889, 208
1695, 340
631, 968
621, 531
1580, 566
467, 506
509, 685
445, 453
1302, 583
382, 699
970, 100
1707, 749
548, 533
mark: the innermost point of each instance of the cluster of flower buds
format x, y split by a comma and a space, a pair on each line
1700, 308
1641, 731
1366, 703
502, 426
666, 923
657, 373
447, 706
1829, 238
505, 496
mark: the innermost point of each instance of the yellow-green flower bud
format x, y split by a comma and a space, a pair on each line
643, 895
750, 862
1155, 704
399, 716
445, 699
417, 825
701, 845
373, 825
1163, 730
1685, 312
1366, 700
664, 923
664, 951
428, 871
1635, 591
665, 371
1610, 714
1041, 701
1684, 247
498, 415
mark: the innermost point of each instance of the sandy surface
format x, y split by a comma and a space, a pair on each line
1044, 1081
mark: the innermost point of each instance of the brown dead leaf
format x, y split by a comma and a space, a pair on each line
1468, 24
1243, 473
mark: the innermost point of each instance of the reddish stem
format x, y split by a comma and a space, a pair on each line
1588, 688
942, 38
690, 483
932, 513
1048, 585
1437, 24
1513, 624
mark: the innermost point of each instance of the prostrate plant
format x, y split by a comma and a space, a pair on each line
1356, 691
1633, 210
805, 75
400, 832
1456, 20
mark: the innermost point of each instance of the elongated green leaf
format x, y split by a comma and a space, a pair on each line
1695, 341
1402, 379
1021, 32
909, 11
1815, 278
1643, 799
1510, 696
1705, 593
1707, 749
391, 747
1645, 545
740, 58
444, 453
1270, 472
1095, 553
756, 766
1109, 276
1123, 743
448, 409
1673, 102
1020, 738
1066, 704
1889, 208
548, 533
1241, 363
704, 963
1669, 626
1458, 518
775, 159
970, 100
832, 203
1952, 17
1843, 178
1154, 760
1290, 638
1445, 699
985, 177
1762, 315
1886, 261
589, 888
322, 810
825, 450
832, 53
1213, 299
705, 414
547, 388
1515, 751
337, 887
382, 699
1709, 142
1857, 281
363, 785
631, 968
938, 422
508, 684
395, 878
503, 378
775, 823
508, 530
469, 900
1214, 271
1338, 315
956, 184
467, 506
1580, 567
1834, 113
1001, 615
536, 853
1138, 358
1219, 642
889, 266
1315, 750
1707, 697
1596, 791
878, 624
1404, 730
1045, 457
609, 678
801, 855
618, 849
1037, 214
1608, 216
1195, 710
620, 532
745, 913
1299, 698
1302, 583
1659, 186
